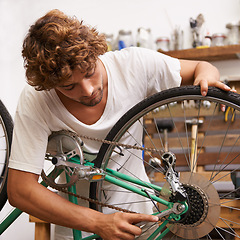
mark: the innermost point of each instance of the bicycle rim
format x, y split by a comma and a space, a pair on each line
6, 127
215, 161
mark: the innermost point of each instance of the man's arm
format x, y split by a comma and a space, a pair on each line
201, 73
25, 193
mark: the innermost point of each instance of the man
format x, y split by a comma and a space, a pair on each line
81, 88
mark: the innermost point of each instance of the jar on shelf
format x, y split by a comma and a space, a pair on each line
125, 39
233, 33
109, 40
218, 39
162, 44
144, 38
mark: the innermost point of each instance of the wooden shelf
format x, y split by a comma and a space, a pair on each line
208, 54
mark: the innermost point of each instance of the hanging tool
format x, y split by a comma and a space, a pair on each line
195, 124
228, 109
165, 126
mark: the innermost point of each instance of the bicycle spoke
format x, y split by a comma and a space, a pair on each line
230, 221
221, 169
134, 175
228, 232
122, 204
180, 142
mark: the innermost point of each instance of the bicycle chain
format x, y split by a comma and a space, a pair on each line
122, 145
64, 190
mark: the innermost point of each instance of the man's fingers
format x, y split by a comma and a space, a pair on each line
136, 218
204, 87
223, 86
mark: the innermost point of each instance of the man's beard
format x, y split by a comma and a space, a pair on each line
94, 101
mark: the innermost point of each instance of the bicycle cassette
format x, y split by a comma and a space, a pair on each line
204, 207
62, 146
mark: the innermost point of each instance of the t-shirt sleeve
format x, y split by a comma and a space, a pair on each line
162, 71
168, 73
28, 145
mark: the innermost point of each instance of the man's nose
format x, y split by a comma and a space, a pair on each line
86, 88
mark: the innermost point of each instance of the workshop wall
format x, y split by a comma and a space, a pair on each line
109, 17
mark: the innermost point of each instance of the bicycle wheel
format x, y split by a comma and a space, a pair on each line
207, 158
6, 127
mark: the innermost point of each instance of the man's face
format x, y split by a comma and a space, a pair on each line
85, 88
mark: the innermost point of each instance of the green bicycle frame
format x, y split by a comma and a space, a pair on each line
118, 179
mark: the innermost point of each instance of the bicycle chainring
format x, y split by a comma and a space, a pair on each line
63, 145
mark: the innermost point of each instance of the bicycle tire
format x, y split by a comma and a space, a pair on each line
6, 129
166, 98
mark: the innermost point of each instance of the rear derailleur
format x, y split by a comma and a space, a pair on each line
172, 177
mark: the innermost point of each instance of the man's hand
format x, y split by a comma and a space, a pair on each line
201, 73
205, 83
121, 225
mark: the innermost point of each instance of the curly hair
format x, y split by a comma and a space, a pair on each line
57, 44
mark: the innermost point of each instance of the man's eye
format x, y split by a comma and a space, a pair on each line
89, 74
69, 88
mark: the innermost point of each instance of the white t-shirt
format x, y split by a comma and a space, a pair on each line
133, 74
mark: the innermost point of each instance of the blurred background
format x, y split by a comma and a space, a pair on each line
170, 25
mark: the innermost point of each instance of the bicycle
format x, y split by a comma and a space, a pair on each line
187, 201
6, 128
